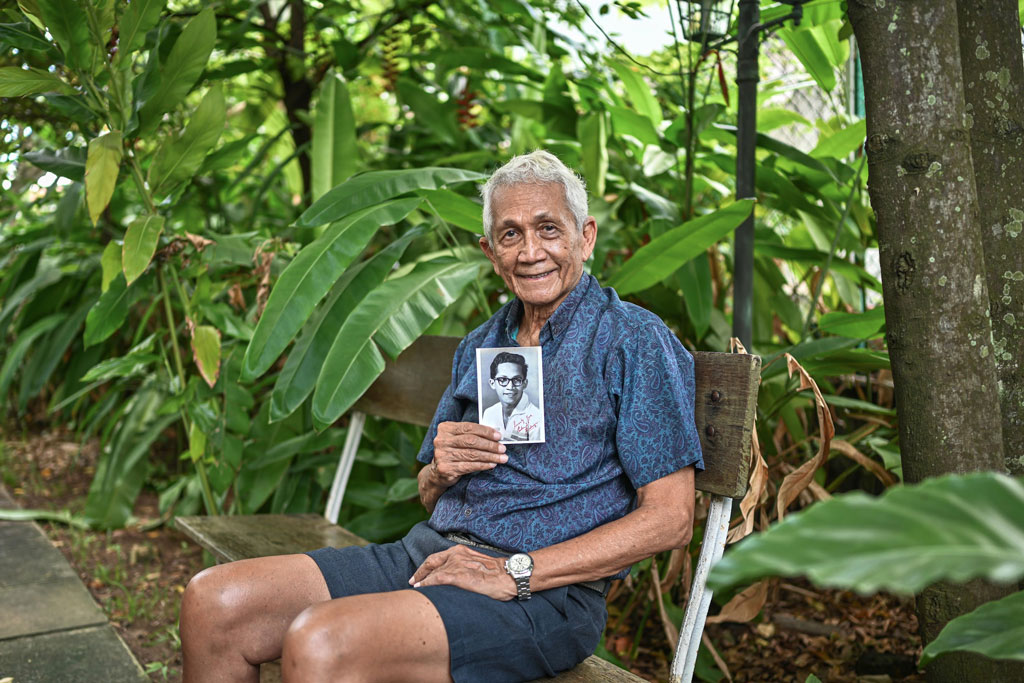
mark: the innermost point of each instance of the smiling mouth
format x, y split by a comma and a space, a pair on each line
539, 276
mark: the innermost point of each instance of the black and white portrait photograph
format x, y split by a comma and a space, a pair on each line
510, 392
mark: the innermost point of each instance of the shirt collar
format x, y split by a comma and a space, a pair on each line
562, 316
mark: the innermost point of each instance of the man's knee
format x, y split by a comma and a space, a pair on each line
212, 600
320, 643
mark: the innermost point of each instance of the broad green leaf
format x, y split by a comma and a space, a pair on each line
122, 366
827, 34
424, 304
866, 325
378, 526
665, 254
137, 20
49, 354
367, 189
774, 117
67, 23
196, 442
843, 142
656, 161
628, 122
16, 82
695, 281
24, 36
951, 528
438, 117
140, 242
101, 168
310, 276
995, 629
592, 131
178, 160
333, 149
639, 92
109, 313
206, 352
804, 44
22, 344
298, 377
403, 489
68, 162
110, 265
405, 306
179, 73
460, 211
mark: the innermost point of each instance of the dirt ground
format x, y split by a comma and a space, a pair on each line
137, 575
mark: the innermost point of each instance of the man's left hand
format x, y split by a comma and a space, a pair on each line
466, 568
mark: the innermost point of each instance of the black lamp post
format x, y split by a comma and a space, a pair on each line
707, 14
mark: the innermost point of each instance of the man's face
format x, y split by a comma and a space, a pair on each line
510, 374
537, 249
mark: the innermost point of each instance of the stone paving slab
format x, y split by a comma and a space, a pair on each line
45, 607
88, 655
29, 557
51, 629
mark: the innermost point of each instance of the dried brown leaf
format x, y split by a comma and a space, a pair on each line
799, 480
851, 452
671, 630
717, 657
744, 606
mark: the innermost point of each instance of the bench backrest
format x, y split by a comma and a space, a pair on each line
726, 399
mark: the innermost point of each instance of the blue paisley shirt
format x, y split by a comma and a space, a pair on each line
618, 406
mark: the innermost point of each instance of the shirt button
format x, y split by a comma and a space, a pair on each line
468, 512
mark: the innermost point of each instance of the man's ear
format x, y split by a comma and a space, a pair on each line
589, 236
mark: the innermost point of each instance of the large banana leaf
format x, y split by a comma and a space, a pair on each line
374, 187
460, 211
996, 630
298, 377
667, 253
954, 528
400, 309
334, 151
309, 277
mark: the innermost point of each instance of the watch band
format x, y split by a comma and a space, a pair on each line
522, 587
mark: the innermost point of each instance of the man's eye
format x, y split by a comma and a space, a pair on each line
549, 228
509, 234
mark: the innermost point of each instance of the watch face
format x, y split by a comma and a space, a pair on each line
519, 563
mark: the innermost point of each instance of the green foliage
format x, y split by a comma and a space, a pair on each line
953, 528
247, 211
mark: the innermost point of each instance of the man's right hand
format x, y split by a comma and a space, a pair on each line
463, 448
460, 448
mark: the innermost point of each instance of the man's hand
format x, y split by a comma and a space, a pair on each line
460, 448
468, 569
463, 448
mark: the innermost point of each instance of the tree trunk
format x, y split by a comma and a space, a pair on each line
936, 299
993, 75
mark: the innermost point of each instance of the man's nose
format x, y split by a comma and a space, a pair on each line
532, 249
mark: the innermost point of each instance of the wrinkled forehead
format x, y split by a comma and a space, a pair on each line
539, 200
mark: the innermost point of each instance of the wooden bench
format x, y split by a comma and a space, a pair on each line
409, 390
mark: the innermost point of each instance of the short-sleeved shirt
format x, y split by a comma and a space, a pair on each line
618, 411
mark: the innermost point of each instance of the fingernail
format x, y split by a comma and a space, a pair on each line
416, 585
503, 458
497, 436
501, 448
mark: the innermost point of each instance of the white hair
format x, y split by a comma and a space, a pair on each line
537, 168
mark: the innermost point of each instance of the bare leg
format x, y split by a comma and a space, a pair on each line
234, 616
396, 636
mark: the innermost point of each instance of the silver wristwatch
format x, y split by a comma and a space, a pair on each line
520, 568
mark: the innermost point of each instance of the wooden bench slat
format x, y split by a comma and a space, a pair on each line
241, 537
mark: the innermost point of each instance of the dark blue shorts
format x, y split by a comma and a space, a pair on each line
488, 640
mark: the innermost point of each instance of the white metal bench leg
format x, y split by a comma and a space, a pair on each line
716, 529
348, 456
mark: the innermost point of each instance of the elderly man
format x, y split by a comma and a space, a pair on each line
514, 415
507, 580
